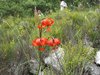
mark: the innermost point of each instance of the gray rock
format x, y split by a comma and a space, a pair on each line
92, 69
27, 68
31, 67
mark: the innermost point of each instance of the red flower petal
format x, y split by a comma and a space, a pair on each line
47, 22
53, 42
39, 26
39, 42
34, 43
52, 21
41, 49
48, 29
43, 41
56, 41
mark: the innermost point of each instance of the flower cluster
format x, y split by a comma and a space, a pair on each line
53, 42
42, 42
46, 23
39, 42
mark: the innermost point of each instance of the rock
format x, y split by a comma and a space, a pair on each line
34, 65
27, 68
92, 69
55, 58
31, 67
97, 57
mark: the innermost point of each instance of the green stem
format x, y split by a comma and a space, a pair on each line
40, 56
39, 62
40, 32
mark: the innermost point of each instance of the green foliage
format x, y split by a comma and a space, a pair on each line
83, 2
72, 26
76, 57
13, 33
16, 35
26, 7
